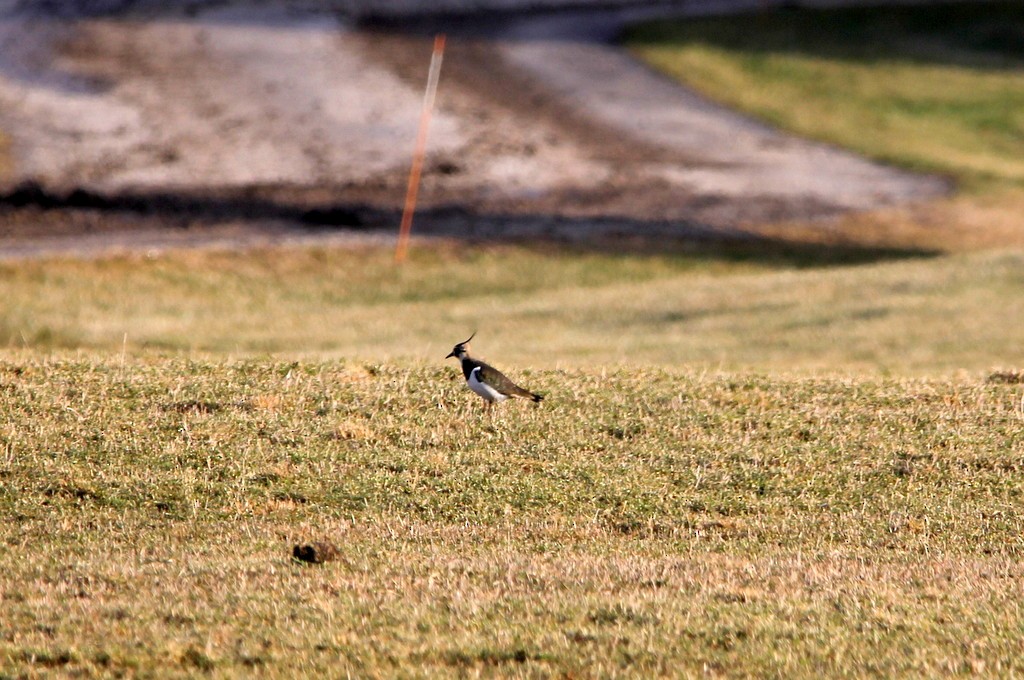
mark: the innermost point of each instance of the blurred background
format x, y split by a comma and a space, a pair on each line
748, 183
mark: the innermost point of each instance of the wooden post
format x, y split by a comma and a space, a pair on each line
421, 146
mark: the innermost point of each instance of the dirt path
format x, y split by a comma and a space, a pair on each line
258, 118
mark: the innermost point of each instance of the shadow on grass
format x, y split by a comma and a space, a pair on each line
987, 35
299, 212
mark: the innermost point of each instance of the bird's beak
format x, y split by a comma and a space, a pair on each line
450, 355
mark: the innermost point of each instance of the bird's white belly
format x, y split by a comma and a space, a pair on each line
485, 391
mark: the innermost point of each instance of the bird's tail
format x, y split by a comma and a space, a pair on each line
536, 397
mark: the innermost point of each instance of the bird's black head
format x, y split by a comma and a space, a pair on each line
461, 349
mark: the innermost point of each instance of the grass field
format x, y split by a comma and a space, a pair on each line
801, 457
935, 88
641, 522
783, 498
738, 310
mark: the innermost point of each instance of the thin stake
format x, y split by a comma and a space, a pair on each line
421, 145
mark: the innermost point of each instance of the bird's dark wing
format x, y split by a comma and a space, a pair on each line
496, 379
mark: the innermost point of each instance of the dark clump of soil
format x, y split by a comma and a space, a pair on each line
316, 552
1006, 378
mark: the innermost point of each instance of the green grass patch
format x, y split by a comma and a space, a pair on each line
735, 310
935, 88
639, 522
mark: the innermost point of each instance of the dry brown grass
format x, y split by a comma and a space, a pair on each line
958, 224
6, 164
752, 307
639, 523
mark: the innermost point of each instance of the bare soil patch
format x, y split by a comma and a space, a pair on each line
294, 120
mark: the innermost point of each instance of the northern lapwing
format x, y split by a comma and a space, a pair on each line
487, 381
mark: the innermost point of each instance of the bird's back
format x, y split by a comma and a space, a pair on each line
499, 381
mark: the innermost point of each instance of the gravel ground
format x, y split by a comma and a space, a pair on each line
282, 116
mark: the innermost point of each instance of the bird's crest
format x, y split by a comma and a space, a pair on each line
461, 348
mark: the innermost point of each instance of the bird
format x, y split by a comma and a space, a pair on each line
487, 381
